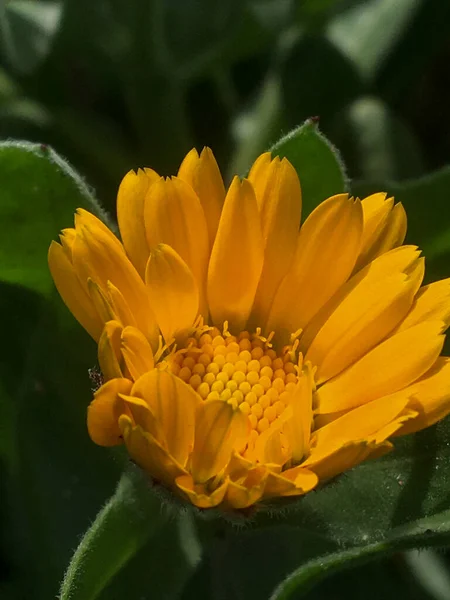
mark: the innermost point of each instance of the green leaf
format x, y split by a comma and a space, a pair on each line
53, 469
368, 31
424, 532
131, 517
426, 204
317, 163
40, 192
162, 566
27, 29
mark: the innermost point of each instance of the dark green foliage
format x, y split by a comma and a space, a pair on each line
115, 85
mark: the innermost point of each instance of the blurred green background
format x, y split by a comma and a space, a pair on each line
116, 84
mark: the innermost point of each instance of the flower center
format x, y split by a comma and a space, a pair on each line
244, 370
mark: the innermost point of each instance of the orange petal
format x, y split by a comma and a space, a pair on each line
174, 404
219, 426
96, 257
293, 482
137, 352
148, 453
389, 367
199, 495
172, 290
362, 423
109, 355
249, 490
400, 260
144, 417
119, 306
101, 302
432, 303
298, 428
236, 258
429, 396
346, 457
327, 249
364, 318
130, 215
105, 410
203, 174
384, 227
279, 200
74, 295
174, 216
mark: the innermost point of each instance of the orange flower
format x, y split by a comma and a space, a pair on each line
244, 357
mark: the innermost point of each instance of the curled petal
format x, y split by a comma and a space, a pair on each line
249, 490
219, 426
174, 404
199, 494
105, 410
136, 351
148, 453
109, 354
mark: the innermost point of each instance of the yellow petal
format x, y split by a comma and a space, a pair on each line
249, 490
259, 175
105, 410
119, 306
279, 199
236, 258
137, 352
101, 302
203, 175
174, 404
376, 210
148, 453
84, 218
293, 482
272, 446
429, 396
95, 256
345, 457
361, 423
74, 295
109, 355
298, 428
400, 260
358, 435
144, 417
130, 215
394, 232
172, 290
67, 237
174, 216
432, 303
199, 495
389, 367
219, 426
364, 318
327, 249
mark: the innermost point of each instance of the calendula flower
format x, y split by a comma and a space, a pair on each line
245, 357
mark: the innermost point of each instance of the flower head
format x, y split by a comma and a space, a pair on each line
245, 357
